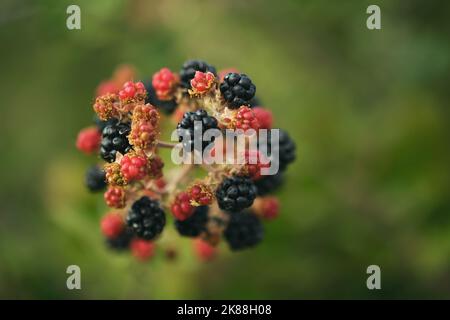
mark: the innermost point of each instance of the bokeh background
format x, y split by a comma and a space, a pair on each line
369, 111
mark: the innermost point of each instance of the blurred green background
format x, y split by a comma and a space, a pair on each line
369, 111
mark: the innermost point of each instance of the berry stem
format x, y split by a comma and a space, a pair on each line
185, 170
165, 144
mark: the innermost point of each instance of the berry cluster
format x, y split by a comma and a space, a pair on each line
231, 199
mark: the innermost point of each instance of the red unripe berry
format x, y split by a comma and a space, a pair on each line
264, 117
132, 90
142, 249
246, 119
182, 208
160, 183
255, 161
204, 250
270, 208
164, 82
112, 225
202, 82
88, 140
115, 197
200, 195
133, 167
107, 87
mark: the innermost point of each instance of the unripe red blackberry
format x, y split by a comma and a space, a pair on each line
189, 68
146, 218
202, 83
142, 250
107, 87
254, 163
270, 208
132, 91
237, 89
200, 194
164, 82
235, 194
204, 250
115, 197
181, 207
133, 167
246, 119
112, 225
244, 230
264, 117
88, 140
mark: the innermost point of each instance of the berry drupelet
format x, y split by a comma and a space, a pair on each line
146, 218
195, 224
244, 230
195, 122
95, 179
236, 193
187, 72
114, 139
237, 89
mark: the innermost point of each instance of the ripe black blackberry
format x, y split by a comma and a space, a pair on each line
122, 241
168, 107
188, 126
268, 184
195, 224
95, 179
237, 89
100, 124
244, 230
114, 139
286, 149
146, 218
189, 68
236, 193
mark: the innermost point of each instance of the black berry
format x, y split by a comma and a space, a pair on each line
95, 179
168, 107
195, 122
286, 149
102, 124
237, 89
236, 193
122, 241
195, 224
268, 184
189, 68
244, 230
146, 218
114, 139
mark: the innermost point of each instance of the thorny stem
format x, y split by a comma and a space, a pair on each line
179, 177
165, 144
